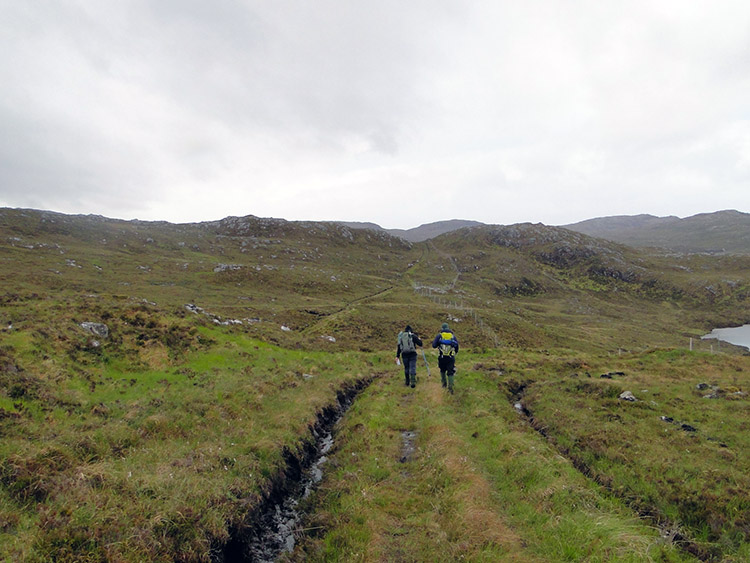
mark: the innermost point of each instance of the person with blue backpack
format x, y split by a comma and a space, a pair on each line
407, 350
447, 345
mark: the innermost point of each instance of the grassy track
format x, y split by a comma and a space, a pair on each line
480, 486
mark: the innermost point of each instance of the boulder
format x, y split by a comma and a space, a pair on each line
97, 329
227, 267
627, 396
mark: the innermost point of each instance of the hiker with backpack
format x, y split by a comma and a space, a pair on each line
447, 345
407, 350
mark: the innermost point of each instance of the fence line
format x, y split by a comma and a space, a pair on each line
701, 344
426, 291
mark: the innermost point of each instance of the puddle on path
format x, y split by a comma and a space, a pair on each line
408, 445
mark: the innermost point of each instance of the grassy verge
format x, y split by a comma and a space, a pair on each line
679, 452
116, 463
479, 485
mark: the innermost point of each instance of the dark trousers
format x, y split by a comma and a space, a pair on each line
447, 365
410, 367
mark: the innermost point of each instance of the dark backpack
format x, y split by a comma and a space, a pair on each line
406, 342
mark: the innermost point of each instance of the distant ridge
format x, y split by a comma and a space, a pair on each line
721, 232
421, 233
715, 233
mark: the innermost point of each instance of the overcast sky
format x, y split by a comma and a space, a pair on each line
396, 112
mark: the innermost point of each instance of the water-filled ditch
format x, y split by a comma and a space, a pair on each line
281, 523
277, 523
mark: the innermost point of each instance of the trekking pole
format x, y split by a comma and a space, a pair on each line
425, 363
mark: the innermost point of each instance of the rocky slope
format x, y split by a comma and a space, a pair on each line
715, 233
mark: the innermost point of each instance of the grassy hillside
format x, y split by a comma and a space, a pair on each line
265, 273
160, 438
541, 286
715, 233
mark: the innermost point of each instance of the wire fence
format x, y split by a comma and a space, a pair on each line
438, 297
713, 345
693, 344
441, 297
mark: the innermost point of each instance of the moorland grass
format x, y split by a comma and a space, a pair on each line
154, 443
158, 465
678, 453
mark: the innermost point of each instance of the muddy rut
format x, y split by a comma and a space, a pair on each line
276, 523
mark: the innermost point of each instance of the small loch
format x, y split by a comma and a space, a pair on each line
739, 336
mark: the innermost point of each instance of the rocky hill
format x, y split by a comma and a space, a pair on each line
267, 273
326, 281
715, 233
421, 233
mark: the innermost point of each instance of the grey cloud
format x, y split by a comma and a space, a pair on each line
312, 77
45, 167
329, 68
535, 108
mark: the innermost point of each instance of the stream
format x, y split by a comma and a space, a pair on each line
278, 522
281, 523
